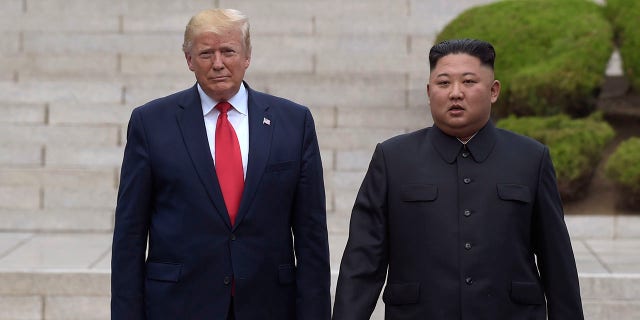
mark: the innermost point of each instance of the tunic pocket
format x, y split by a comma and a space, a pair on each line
514, 192
526, 293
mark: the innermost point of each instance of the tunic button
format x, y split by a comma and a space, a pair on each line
227, 281
467, 213
465, 154
468, 280
468, 246
467, 180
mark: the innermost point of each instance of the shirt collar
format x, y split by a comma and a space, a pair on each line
238, 101
480, 146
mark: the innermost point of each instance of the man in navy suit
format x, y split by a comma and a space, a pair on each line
462, 220
232, 233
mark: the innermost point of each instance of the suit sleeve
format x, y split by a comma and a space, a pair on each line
131, 226
552, 246
313, 274
365, 259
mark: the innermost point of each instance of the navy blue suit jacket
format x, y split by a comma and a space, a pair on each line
473, 232
276, 255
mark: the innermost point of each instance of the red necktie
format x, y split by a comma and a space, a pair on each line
228, 162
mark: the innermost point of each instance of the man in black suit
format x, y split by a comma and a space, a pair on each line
463, 220
226, 184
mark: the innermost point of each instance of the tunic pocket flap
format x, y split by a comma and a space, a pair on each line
526, 293
401, 293
515, 192
417, 193
163, 271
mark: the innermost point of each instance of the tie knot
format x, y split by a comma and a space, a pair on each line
223, 106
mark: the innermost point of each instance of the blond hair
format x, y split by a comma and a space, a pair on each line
217, 21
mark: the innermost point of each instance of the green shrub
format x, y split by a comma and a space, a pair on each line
575, 146
551, 54
625, 16
623, 167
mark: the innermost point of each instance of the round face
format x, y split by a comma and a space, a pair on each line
219, 62
461, 91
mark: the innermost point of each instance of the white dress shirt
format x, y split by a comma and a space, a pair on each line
238, 116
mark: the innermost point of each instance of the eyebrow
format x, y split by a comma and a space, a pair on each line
447, 75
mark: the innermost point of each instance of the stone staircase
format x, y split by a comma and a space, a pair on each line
71, 72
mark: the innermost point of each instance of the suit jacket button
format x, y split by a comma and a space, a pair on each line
466, 180
233, 237
467, 213
227, 281
468, 246
468, 280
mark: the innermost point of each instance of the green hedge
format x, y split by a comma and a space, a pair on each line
575, 146
625, 16
623, 167
551, 54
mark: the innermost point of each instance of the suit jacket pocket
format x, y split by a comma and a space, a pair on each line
419, 193
164, 271
401, 293
286, 274
526, 293
514, 192
280, 166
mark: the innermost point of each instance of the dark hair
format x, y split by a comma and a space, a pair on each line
480, 49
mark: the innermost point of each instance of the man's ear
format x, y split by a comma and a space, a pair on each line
495, 91
188, 57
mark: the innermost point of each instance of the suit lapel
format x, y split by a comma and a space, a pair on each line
191, 123
260, 133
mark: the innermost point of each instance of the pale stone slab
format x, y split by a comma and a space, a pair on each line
76, 178
22, 113
57, 251
348, 160
20, 197
77, 308
11, 240
383, 118
13, 6
627, 226
361, 25
93, 114
324, 117
586, 261
619, 256
581, 227
104, 263
347, 180
285, 62
354, 138
9, 42
620, 310
113, 43
83, 157
60, 135
339, 90
74, 198
77, 7
73, 66
57, 220
610, 287
54, 282
168, 64
344, 200
21, 307
146, 23
21, 156
68, 91
49, 22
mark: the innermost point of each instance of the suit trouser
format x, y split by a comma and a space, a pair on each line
231, 315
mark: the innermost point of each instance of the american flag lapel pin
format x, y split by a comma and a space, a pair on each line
266, 121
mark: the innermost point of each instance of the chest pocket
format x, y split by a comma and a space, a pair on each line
419, 192
514, 192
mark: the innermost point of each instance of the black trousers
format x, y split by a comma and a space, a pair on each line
231, 315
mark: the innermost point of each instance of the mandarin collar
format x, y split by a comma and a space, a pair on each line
480, 146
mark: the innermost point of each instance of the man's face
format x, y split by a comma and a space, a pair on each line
461, 91
219, 62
